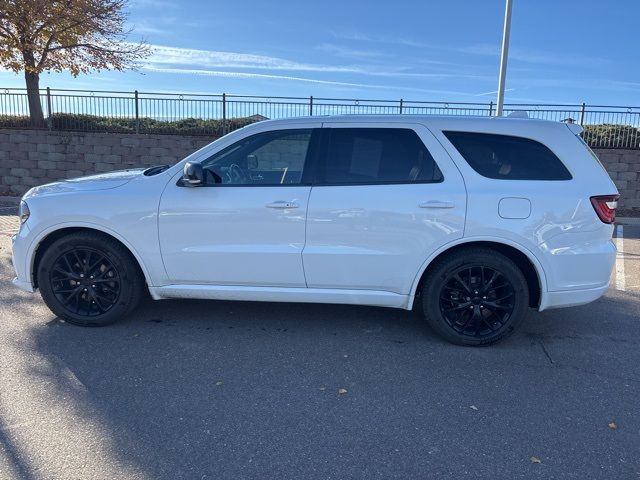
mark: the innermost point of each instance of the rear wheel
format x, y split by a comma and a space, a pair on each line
89, 279
475, 297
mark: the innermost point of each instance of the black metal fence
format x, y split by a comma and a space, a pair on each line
199, 114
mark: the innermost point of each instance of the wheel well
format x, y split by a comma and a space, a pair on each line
516, 256
46, 242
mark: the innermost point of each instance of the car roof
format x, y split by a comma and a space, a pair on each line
445, 121
406, 118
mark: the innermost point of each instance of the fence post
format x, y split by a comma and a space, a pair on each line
491, 108
311, 105
224, 113
137, 112
49, 123
582, 110
401, 103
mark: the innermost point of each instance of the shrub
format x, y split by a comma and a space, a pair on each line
611, 135
94, 123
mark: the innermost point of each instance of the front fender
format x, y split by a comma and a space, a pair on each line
36, 239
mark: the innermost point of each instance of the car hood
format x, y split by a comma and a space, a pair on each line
101, 181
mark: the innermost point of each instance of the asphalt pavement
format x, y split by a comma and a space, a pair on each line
217, 390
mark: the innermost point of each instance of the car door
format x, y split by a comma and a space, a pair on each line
246, 226
385, 197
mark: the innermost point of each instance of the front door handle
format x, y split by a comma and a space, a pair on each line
282, 204
436, 204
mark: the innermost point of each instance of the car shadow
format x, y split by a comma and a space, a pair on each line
215, 389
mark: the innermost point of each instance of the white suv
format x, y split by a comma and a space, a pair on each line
472, 220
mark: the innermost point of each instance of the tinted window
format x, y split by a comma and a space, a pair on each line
377, 155
509, 158
270, 158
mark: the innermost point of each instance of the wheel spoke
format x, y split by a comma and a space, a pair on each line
95, 264
106, 280
497, 306
66, 273
72, 295
77, 255
487, 323
493, 278
71, 282
466, 323
504, 297
69, 265
486, 290
98, 303
65, 290
458, 308
457, 278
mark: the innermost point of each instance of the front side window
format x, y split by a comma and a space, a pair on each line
269, 158
377, 155
507, 157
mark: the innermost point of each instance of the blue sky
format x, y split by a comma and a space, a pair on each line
561, 51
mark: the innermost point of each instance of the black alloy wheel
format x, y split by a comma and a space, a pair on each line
474, 296
88, 278
85, 282
476, 301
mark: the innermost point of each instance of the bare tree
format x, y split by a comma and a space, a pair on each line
77, 36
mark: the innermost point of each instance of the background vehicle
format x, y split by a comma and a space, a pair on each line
473, 220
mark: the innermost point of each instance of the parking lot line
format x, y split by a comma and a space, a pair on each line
620, 276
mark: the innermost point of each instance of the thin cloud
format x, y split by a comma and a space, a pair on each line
493, 92
265, 76
163, 55
361, 37
341, 51
481, 49
228, 74
532, 56
147, 28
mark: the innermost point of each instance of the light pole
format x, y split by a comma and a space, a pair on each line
503, 58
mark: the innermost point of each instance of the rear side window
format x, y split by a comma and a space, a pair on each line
377, 155
506, 157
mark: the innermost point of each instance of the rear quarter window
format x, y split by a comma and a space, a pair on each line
505, 157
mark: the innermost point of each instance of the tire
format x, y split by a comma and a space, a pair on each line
89, 279
466, 305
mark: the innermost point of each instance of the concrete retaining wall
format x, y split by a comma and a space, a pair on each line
624, 169
34, 157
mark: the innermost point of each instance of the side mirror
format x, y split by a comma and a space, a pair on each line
193, 174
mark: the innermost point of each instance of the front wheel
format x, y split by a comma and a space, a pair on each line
475, 297
89, 279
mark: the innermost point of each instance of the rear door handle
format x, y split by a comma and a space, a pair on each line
436, 204
282, 204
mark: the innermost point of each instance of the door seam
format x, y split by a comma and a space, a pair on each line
304, 245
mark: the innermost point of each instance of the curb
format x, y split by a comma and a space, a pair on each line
628, 221
9, 200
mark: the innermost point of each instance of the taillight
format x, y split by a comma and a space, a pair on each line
605, 206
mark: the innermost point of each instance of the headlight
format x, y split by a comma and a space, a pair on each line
24, 211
